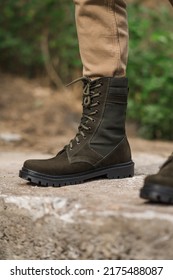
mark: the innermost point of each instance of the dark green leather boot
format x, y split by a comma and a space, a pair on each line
100, 148
159, 187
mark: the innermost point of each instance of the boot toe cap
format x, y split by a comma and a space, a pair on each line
35, 165
159, 180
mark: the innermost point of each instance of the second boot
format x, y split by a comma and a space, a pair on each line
159, 187
100, 148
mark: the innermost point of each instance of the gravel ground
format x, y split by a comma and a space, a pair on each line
101, 219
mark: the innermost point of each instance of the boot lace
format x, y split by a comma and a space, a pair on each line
89, 94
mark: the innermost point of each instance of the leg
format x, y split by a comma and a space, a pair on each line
100, 147
103, 37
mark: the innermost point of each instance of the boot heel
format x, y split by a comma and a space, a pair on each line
123, 171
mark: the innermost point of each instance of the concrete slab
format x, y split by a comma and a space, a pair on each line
102, 219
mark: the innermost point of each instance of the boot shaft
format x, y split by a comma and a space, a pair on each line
110, 128
102, 125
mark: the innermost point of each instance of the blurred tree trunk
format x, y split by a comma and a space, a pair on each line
53, 75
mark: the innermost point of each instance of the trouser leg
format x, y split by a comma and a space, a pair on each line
103, 36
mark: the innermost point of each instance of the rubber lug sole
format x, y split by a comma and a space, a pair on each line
157, 193
114, 172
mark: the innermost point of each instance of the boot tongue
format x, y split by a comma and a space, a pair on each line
86, 101
86, 94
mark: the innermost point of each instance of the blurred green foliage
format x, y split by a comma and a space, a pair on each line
25, 24
150, 71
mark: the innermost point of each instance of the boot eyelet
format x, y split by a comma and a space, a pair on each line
84, 137
78, 143
89, 128
93, 120
98, 103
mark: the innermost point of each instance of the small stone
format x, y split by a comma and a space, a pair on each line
10, 137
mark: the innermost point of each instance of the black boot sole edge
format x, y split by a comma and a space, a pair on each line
114, 172
157, 193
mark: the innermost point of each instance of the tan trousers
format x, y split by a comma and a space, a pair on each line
103, 36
